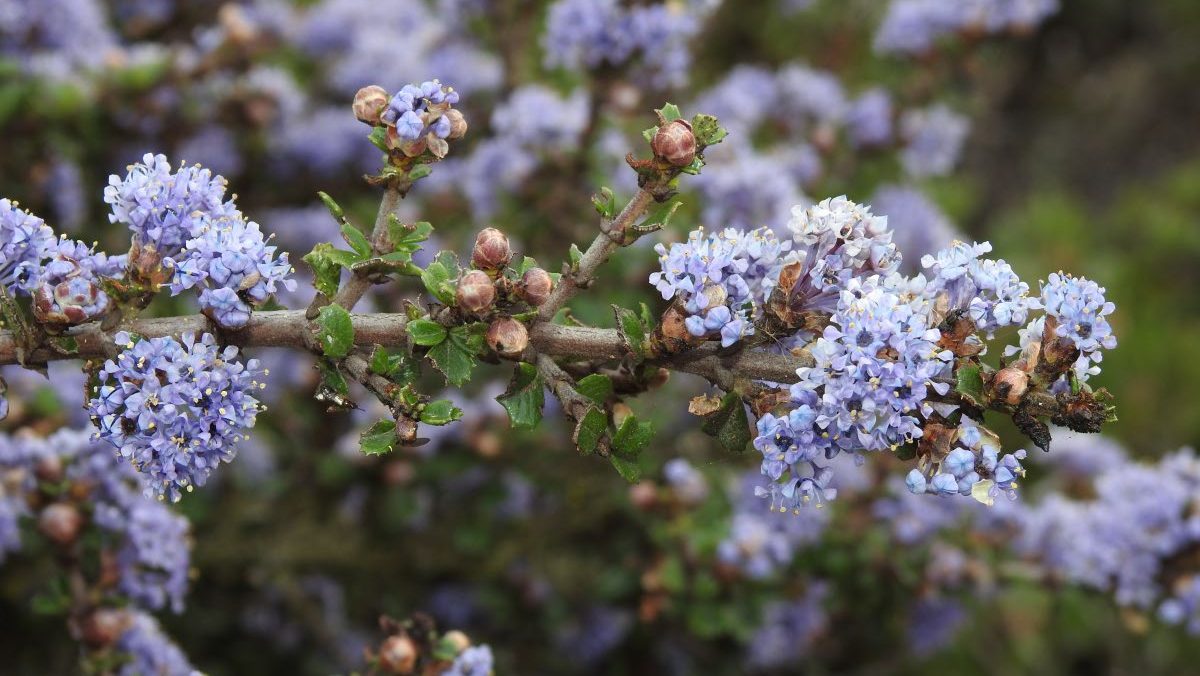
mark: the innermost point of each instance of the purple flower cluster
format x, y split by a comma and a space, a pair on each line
919, 227
991, 294
175, 409
418, 110
232, 264
789, 629
933, 140
915, 26
974, 467
719, 279
476, 660
1080, 313
593, 33
150, 651
24, 239
761, 541
164, 208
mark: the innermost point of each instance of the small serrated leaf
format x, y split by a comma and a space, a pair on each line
436, 279
670, 112
526, 264
628, 469
631, 331
729, 424
969, 381
419, 172
596, 387
378, 439
707, 130
455, 356
426, 332
440, 412
590, 430
524, 397
378, 138
632, 438
660, 217
395, 367
357, 241
575, 256
326, 271
606, 203
335, 331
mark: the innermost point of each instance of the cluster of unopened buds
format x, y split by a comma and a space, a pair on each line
414, 647
491, 290
416, 119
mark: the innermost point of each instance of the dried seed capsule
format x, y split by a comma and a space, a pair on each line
491, 250
536, 285
675, 143
508, 337
476, 292
369, 104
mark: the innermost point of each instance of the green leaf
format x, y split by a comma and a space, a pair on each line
378, 138
646, 316
395, 367
405, 239
335, 331
327, 272
729, 424
455, 356
449, 260
356, 240
440, 412
970, 383
660, 217
524, 397
419, 172
575, 256
632, 332
332, 379
670, 112
708, 130
628, 469
437, 282
334, 208
426, 332
605, 203
445, 650
590, 430
632, 438
596, 387
379, 438
526, 264
695, 167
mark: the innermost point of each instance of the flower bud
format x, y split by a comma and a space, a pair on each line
457, 639
675, 143
60, 523
103, 626
458, 124
369, 104
643, 495
507, 337
49, 469
536, 285
398, 655
476, 292
1010, 384
491, 250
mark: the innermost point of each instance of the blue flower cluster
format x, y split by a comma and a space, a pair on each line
1080, 313
762, 542
914, 26
165, 208
149, 544
974, 467
175, 409
720, 279
790, 629
474, 661
150, 651
230, 260
593, 33
991, 294
23, 240
918, 226
933, 140
417, 117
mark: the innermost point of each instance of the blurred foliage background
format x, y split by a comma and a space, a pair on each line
1083, 155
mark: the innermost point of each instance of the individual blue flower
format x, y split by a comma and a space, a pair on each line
225, 307
915, 481
474, 661
1080, 312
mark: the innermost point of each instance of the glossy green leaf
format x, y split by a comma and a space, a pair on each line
335, 331
524, 397
729, 424
379, 438
426, 332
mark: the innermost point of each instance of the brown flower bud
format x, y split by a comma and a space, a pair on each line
103, 626
369, 104
398, 655
476, 292
491, 250
458, 639
49, 469
507, 337
60, 523
458, 123
536, 285
1009, 385
643, 495
675, 143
